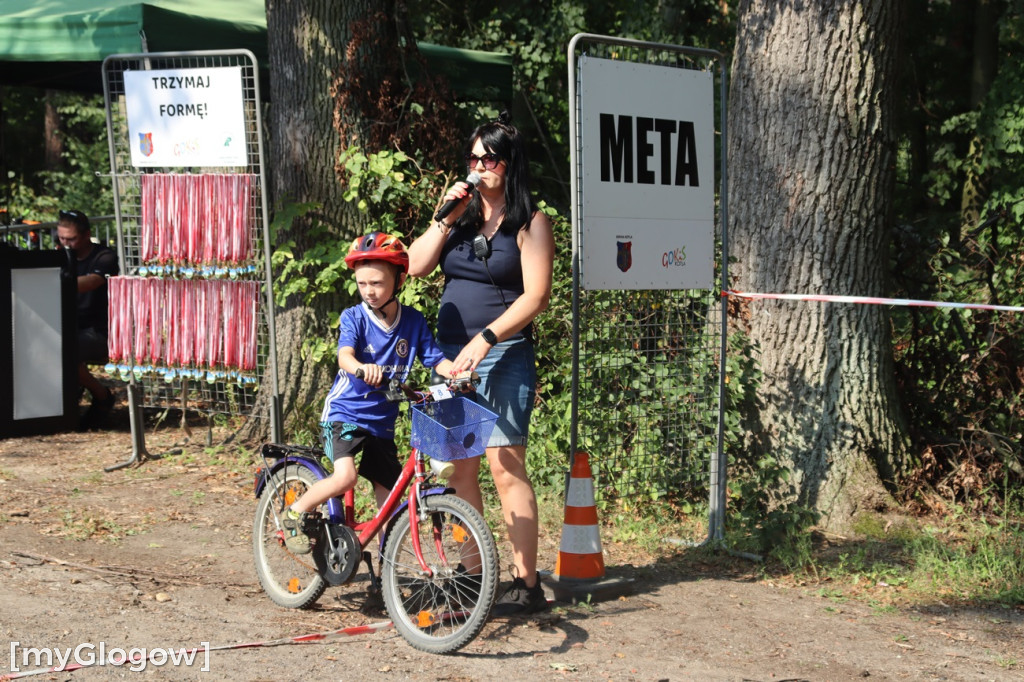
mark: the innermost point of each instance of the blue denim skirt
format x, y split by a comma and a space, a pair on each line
508, 386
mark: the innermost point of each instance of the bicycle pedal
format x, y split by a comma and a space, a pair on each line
310, 523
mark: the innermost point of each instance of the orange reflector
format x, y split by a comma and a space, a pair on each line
289, 497
425, 620
293, 586
459, 533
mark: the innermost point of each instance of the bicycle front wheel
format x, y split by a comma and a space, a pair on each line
290, 580
444, 608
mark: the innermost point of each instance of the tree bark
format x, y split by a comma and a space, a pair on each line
811, 162
316, 47
53, 149
984, 61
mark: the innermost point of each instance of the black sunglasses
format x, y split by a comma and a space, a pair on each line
76, 218
490, 161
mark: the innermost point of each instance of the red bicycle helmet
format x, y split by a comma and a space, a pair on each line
378, 246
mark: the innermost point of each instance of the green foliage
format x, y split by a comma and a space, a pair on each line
305, 429
548, 454
307, 275
384, 185
649, 386
763, 511
387, 185
35, 193
86, 153
537, 35
960, 370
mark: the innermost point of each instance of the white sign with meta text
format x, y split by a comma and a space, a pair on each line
648, 176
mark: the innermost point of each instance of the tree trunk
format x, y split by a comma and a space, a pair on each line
53, 149
811, 159
318, 48
985, 57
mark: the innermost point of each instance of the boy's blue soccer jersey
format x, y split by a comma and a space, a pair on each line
352, 400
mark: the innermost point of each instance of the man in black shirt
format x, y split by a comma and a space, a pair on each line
93, 264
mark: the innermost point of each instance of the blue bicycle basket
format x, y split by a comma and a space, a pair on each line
451, 429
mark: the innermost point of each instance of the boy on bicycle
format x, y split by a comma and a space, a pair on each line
380, 337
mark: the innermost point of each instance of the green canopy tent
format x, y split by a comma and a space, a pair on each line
61, 44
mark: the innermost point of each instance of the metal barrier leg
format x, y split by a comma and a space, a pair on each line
139, 452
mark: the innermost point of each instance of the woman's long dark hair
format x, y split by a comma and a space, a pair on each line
502, 138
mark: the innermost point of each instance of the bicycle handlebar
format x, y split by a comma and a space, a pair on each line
397, 391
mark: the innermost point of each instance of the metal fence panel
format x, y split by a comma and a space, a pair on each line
648, 364
42, 236
197, 386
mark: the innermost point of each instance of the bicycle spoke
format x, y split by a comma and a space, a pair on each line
288, 579
443, 608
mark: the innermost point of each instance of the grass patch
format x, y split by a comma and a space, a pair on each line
959, 560
233, 460
648, 529
975, 562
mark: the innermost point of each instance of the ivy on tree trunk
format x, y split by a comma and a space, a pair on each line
339, 78
310, 57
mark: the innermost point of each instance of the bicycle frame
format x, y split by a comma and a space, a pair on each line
438, 601
342, 510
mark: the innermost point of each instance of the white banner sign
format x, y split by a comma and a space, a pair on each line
186, 117
648, 201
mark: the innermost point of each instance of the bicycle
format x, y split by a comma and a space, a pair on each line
437, 559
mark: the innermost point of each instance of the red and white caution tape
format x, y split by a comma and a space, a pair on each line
874, 300
190, 654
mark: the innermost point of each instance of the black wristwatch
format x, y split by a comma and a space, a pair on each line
489, 336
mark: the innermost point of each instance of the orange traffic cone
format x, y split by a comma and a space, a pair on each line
579, 571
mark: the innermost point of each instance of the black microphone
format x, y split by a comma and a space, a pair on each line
472, 179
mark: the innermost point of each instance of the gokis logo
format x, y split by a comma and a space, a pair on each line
624, 254
675, 257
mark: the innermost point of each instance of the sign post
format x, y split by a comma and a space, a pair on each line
649, 190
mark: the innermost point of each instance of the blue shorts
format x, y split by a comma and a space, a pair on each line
508, 387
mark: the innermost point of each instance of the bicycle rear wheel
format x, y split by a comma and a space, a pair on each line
441, 612
290, 580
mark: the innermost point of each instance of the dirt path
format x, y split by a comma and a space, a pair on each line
159, 556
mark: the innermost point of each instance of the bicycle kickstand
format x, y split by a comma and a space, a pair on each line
375, 582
